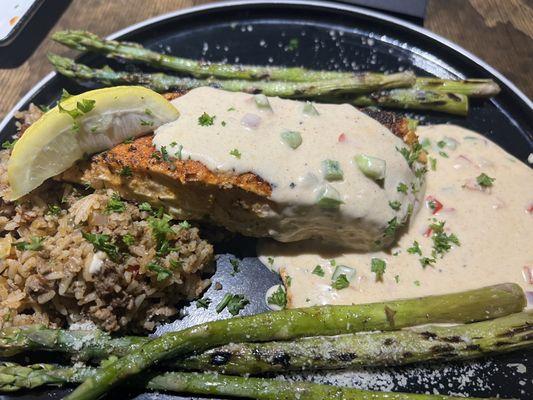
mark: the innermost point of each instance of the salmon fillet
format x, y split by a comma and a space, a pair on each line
188, 189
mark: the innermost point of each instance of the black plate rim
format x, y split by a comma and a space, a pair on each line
304, 4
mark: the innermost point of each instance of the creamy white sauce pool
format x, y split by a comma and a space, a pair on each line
231, 132
494, 226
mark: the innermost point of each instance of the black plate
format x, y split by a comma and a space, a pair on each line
332, 36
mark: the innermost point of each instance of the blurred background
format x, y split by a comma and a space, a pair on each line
498, 31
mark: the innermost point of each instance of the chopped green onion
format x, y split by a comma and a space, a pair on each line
309, 109
261, 101
292, 139
328, 197
332, 171
372, 167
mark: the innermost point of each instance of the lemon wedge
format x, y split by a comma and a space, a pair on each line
82, 125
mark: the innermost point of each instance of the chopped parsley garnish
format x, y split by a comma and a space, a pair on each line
278, 298
378, 266
164, 153
395, 205
415, 249
411, 155
397, 278
176, 264
115, 204
417, 283
129, 140
184, 225
402, 188
156, 155
145, 207
145, 122
126, 171
9, 145
484, 180
236, 153
203, 303
178, 154
341, 282
420, 172
149, 112
235, 264
162, 273
173, 144
53, 209
443, 154
160, 229
392, 227
64, 95
233, 302
206, 120
128, 239
103, 243
442, 242
231, 109
35, 244
319, 271
441, 144
82, 107
426, 261
223, 123
85, 105
270, 260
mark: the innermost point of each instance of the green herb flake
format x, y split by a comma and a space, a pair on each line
231, 109
7, 145
484, 180
203, 303
128, 140
442, 242
162, 273
395, 205
441, 144
128, 239
149, 112
145, 122
103, 243
270, 260
164, 153
184, 225
443, 154
378, 266
145, 207
85, 105
223, 123
53, 209
206, 120
235, 153
426, 261
233, 302
415, 249
392, 227
397, 278
341, 282
417, 283
126, 171
288, 280
319, 271
176, 264
411, 155
235, 265
115, 204
402, 188
35, 244
278, 298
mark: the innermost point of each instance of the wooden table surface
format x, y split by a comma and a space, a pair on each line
498, 31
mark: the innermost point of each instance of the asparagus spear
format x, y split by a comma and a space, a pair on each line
15, 377
467, 87
415, 99
86, 41
163, 83
431, 343
395, 98
474, 305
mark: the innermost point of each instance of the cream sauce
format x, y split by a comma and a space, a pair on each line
494, 226
230, 132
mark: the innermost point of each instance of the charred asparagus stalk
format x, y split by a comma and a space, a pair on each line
395, 98
86, 41
431, 343
164, 83
470, 306
15, 377
410, 98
